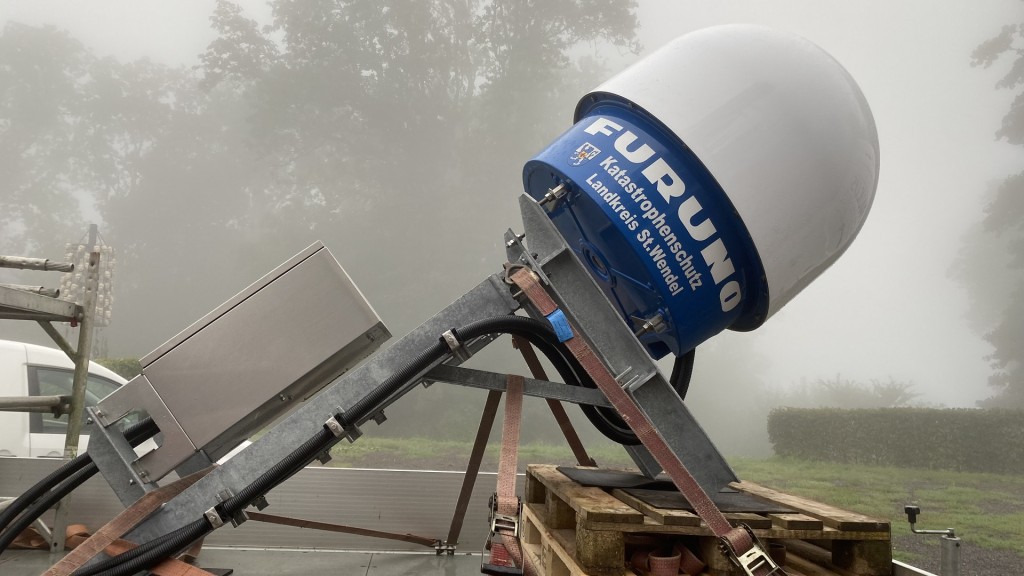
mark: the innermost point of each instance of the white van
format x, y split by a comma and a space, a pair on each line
30, 370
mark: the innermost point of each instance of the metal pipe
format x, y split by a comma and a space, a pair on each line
56, 405
949, 564
35, 264
84, 351
19, 403
41, 290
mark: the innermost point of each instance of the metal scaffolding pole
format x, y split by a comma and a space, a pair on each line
82, 354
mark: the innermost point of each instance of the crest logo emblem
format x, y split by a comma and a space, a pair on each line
584, 153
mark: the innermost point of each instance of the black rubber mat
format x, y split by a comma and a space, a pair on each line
662, 493
726, 501
616, 479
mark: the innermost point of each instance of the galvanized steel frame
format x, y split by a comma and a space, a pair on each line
580, 299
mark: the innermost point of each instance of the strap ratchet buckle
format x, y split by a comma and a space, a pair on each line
501, 525
755, 559
504, 523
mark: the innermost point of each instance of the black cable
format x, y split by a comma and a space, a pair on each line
605, 419
682, 370
42, 487
151, 553
139, 558
40, 497
45, 503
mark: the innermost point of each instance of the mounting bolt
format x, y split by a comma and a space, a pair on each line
512, 242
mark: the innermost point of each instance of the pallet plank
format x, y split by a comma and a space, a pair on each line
592, 527
796, 522
755, 521
830, 515
590, 503
662, 515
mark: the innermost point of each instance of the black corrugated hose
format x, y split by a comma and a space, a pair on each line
43, 495
153, 552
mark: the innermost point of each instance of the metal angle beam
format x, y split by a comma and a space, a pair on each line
531, 387
21, 305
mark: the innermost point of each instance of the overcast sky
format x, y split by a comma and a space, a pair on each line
888, 308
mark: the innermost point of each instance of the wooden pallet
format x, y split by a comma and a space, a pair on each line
573, 530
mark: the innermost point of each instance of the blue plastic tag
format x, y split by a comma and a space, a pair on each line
561, 325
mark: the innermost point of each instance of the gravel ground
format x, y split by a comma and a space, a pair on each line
974, 560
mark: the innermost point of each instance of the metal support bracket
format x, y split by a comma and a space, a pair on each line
588, 308
113, 455
445, 548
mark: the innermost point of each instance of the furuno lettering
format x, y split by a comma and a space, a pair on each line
646, 168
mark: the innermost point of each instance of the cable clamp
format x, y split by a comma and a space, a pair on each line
445, 548
237, 519
350, 433
451, 338
335, 427
213, 517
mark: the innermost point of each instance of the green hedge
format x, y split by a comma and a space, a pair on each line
956, 439
127, 368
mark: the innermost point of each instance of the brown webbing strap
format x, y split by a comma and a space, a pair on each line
121, 524
739, 539
508, 550
314, 525
557, 410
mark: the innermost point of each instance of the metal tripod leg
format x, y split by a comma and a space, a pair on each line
472, 469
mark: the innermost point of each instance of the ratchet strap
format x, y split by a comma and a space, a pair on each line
739, 543
506, 552
121, 524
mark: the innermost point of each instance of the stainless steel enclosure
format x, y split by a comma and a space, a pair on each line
244, 364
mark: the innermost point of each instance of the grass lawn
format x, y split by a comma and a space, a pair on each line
984, 509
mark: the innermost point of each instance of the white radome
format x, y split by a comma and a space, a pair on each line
781, 126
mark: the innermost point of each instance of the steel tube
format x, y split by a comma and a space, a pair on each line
35, 264
22, 403
41, 290
949, 564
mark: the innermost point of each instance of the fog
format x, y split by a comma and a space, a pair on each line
890, 310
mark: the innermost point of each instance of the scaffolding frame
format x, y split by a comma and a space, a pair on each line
28, 303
